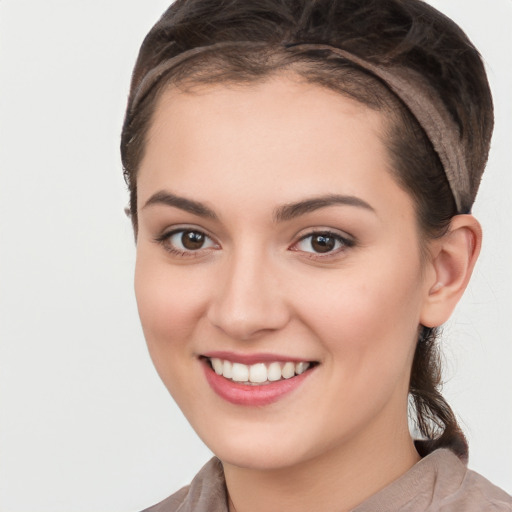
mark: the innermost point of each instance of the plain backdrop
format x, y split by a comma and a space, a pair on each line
85, 424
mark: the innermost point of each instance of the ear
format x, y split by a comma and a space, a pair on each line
453, 257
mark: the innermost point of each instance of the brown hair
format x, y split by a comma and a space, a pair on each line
405, 33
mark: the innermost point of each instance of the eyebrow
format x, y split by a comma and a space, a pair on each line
292, 210
188, 205
281, 214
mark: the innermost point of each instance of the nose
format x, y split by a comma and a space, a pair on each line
249, 301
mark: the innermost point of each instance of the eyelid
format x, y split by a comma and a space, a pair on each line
346, 240
317, 230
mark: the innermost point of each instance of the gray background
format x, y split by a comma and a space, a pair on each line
85, 424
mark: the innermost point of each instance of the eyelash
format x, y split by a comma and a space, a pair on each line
344, 243
165, 240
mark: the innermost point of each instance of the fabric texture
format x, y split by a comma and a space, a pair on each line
440, 482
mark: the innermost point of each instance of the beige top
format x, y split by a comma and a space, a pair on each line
440, 482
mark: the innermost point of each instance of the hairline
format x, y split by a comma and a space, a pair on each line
187, 78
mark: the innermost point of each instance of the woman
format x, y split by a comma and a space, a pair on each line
301, 177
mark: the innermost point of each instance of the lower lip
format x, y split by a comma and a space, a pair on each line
243, 394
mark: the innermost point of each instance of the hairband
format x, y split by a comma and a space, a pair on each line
408, 85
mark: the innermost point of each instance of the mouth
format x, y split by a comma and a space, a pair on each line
255, 379
260, 373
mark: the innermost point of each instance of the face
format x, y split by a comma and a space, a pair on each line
279, 279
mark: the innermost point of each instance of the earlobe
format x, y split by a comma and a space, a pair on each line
453, 259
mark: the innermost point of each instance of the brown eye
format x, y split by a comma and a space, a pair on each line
323, 243
192, 240
186, 241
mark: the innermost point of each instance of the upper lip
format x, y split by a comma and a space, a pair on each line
249, 359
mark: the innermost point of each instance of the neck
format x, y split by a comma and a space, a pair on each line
337, 481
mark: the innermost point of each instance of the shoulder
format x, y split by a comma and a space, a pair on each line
477, 492
440, 482
459, 488
206, 493
172, 503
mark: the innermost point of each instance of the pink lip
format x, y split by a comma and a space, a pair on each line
243, 394
251, 358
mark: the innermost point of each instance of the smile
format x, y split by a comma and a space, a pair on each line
259, 381
259, 373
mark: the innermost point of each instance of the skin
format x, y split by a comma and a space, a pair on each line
258, 286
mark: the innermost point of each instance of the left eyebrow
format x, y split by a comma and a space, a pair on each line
292, 210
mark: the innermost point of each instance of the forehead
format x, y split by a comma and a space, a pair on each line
279, 137
277, 92
282, 108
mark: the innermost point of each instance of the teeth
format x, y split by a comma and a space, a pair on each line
217, 365
240, 372
274, 372
301, 367
288, 370
227, 369
257, 373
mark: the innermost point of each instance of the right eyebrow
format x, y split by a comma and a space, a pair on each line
188, 205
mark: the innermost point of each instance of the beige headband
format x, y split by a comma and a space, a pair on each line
408, 85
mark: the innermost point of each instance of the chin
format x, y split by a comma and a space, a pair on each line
258, 457
262, 447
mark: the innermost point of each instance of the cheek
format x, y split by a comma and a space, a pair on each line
366, 312
169, 303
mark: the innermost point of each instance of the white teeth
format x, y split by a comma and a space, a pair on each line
258, 373
274, 372
240, 372
227, 369
217, 365
301, 367
288, 370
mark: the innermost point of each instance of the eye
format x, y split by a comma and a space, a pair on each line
322, 242
186, 241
